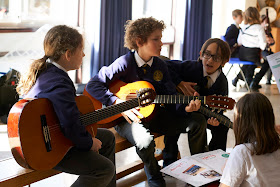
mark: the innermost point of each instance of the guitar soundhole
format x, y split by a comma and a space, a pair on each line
46, 133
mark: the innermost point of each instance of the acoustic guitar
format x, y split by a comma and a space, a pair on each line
126, 91
35, 137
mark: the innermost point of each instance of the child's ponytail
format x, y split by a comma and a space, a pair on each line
27, 81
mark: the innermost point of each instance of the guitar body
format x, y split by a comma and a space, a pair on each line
125, 91
26, 134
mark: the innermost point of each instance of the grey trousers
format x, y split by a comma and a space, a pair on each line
94, 169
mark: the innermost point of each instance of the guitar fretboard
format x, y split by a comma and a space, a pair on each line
222, 119
178, 99
109, 111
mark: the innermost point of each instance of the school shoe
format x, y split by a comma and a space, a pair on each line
268, 83
157, 183
255, 86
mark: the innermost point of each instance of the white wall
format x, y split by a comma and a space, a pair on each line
222, 15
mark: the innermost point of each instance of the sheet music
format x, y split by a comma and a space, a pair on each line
274, 63
198, 169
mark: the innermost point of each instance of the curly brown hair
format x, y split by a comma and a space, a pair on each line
141, 28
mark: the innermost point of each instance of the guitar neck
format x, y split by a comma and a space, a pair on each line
222, 119
178, 99
101, 114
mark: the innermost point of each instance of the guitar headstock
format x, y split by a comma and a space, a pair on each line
146, 96
220, 102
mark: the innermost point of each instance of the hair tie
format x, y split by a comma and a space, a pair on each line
45, 58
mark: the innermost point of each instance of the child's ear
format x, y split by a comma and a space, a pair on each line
68, 55
200, 55
139, 42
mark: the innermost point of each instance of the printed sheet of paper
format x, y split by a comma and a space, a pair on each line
198, 169
274, 63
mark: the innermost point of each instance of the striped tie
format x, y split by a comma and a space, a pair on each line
206, 81
145, 68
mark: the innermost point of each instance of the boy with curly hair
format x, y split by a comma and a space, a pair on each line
143, 36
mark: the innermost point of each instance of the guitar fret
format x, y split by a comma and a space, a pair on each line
222, 119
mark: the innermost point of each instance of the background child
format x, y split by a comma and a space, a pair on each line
267, 51
252, 39
190, 77
254, 161
233, 31
144, 37
91, 158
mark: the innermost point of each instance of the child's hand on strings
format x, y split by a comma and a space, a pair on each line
187, 88
194, 105
213, 121
131, 115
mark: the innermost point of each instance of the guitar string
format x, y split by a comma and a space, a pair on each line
98, 116
175, 99
110, 111
216, 101
101, 114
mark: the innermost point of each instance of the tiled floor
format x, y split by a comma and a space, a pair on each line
138, 178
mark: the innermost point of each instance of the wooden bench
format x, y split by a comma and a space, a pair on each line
13, 175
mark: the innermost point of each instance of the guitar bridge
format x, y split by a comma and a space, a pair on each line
46, 133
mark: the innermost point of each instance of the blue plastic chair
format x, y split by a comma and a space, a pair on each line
233, 61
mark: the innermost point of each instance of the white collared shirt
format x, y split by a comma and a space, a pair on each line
246, 170
213, 77
57, 65
252, 36
140, 62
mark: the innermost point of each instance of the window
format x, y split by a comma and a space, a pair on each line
20, 14
161, 10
